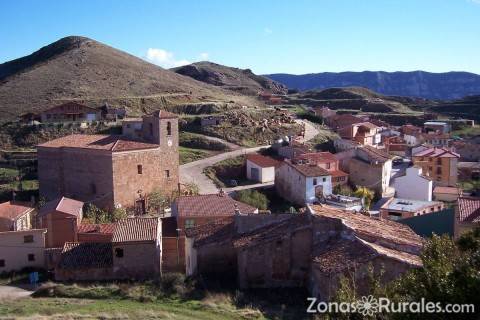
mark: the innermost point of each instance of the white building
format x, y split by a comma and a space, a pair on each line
301, 182
413, 185
21, 249
261, 168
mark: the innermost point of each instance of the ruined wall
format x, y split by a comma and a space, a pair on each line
139, 261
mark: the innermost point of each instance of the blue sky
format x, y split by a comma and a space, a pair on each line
301, 36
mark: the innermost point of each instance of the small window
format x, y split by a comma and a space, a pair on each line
150, 126
139, 169
169, 128
189, 223
119, 253
315, 181
167, 174
28, 239
128, 126
324, 179
31, 257
2, 263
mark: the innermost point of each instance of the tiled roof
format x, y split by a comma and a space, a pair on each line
344, 120
318, 157
338, 173
64, 205
371, 229
375, 154
218, 231
12, 210
469, 209
408, 205
136, 229
262, 161
70, 104
210, 205
86, 255
437, 153
308, 169
162, 114
448, 190
105, 228
111, 143
367, 125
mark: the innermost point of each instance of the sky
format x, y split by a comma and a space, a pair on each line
267, 36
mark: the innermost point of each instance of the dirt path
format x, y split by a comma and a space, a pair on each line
193, 172
12, 292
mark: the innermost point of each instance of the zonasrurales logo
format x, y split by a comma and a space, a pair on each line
367, 306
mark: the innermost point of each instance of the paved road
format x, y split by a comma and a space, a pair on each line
11, 292
193, 172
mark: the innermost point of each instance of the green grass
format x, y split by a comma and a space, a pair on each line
189, 154
7, 174
228, 169
467, 131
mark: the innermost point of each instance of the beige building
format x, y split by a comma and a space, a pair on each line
440, 164
16, 216
21, 249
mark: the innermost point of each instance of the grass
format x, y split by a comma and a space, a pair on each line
228, 169
189, 154
7, 174
467, 131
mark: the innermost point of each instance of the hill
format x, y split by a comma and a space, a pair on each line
239, 80
467, 107
354, 98
79, 68
449, 85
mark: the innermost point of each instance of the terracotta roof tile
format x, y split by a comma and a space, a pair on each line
469, 209
111, 143
64, 205
447, 190
210, 205
437, 153
86, 255
375, 154
136, 229
262, 161
308, 169
105, 228
318, 157
218, 231
12, 210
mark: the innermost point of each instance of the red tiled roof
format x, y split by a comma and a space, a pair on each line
367, 125
469, 209
318, 157
447, 190
111, 143
13, 210
344, 120
308, 169
338, 173
262, 161
70, 104
217, 231
86, 255
437, 153
64, 205
375, 154
136, 229
210, 205
105, 228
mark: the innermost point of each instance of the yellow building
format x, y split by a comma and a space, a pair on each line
440, 164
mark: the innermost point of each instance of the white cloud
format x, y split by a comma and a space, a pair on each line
164, 58
267, 31
203, 56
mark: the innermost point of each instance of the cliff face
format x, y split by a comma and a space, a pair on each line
233, 79
449, 85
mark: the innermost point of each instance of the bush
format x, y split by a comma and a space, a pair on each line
193, 141
253, 198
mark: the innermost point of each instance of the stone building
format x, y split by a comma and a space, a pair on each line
395, 208
112, 171
70, 112
21, 249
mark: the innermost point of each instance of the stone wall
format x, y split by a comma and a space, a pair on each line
139, 261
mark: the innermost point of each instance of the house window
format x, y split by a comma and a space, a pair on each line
315, 181
167, 174
169, 128
28, 239
128, 126
118, 252
139, 169
324, 179
439, 170
150, 126
439, 161
31, 257
2, 263
189, 223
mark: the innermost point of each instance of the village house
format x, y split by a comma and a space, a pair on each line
101, 232
300, 181
396, 208
111, 113
16, 216
192, 211
438, 139
468, 150
61, 218
340, 121
311, 250
290, 149
396, 145
468, 171
261, 168
413, 185
438, 163
436, 126
112, 171
70, 112
365, 133
467, 215
324, 112
132, 128
211, 121
368, 167
21, 249
327, 161
447, 194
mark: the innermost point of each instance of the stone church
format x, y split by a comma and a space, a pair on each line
113, 171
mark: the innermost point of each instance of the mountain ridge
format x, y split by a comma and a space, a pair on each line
428, 85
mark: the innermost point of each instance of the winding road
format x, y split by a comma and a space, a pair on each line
193, 172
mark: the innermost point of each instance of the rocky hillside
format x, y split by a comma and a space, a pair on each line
91, 72
239, 80
449, 85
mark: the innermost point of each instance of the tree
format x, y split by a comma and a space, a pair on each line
254, 198
96, 214
366, 194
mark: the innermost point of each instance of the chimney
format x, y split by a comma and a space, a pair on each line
237, 210
221, 193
